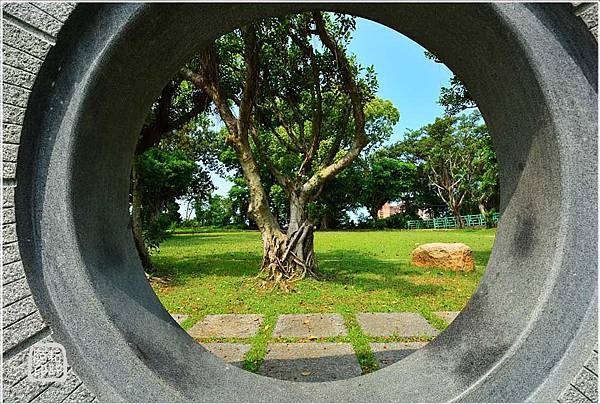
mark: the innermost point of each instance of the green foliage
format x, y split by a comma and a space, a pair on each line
385, 179
456, 155
239, 195
174, 169
381, 116
455, 98
330, 210
165, 176
397, 221
486, 185
215, 211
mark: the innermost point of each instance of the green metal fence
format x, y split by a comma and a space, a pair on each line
450, 222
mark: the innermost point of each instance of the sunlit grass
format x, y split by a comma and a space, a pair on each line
362, 271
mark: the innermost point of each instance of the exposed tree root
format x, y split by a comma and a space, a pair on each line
289, 258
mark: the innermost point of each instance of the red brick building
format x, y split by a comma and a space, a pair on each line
388, 210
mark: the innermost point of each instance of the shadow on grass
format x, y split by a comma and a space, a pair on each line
192, 240
181, 269
369, 274
346, 268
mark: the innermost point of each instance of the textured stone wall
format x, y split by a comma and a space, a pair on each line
29, 32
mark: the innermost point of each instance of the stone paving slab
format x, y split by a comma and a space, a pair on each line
310, 325
388, 353
447, 316
399, 324
180, 318
227, 326
230, 352
310, 362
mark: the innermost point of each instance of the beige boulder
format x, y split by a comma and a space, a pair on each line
455, 256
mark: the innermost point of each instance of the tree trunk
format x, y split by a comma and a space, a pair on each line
459, 221
458, 218
288, 256
373, 212
136, 221
482, 209
324, 222
456, 207
485, 214
291, 256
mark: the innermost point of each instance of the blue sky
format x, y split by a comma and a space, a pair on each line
406, 77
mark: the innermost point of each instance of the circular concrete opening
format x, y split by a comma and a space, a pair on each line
527, 325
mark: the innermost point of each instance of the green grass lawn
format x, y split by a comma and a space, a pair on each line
363, 271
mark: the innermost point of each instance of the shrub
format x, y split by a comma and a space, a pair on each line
398, 221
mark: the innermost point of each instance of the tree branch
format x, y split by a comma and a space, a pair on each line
293, 148
208, 80
335, 147
250, 80
351, 88
348, 81
200, 105
281, 180
151, 134
294, 140
317, 107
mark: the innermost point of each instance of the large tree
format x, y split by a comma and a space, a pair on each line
293, 100
457, 157
385, 179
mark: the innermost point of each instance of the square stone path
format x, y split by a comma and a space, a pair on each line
447, 316
310, 362
229, 352
313, 361
310, 325
227, 326
387, 353
400, 324
180, 318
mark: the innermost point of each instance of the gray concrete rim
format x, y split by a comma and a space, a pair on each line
527, 329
